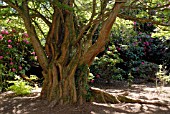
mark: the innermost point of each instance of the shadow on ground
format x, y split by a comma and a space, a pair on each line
10, 104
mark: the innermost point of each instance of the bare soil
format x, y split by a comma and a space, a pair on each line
32, 104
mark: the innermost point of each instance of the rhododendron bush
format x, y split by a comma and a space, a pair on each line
16, 54
143, 54
135, 56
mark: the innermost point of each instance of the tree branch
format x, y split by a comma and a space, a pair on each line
38, 14
147, 8
2, 7
103, 36
126, 17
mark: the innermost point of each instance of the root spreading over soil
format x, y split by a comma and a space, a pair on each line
110, 99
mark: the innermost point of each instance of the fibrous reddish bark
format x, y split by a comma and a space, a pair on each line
67, 54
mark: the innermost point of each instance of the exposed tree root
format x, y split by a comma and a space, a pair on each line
101, 96
27, 79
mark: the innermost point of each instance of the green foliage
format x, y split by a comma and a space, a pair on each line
64, 6
162, 76
104, 67
91, 77
133, 55
147, 70
130, 79
142, 54
16, 54
89, 94
122, 29
3, 84
20, 87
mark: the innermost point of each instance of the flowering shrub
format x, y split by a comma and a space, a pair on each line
104, 66
16, 53
142, 55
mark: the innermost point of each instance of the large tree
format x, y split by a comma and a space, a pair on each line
69, 50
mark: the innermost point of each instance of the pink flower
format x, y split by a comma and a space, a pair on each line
1, 57
92, 81
33, 53
13, 69
20, 67
1, 37
4, 32
97, 76
134, 23
143, 63
118, 49
146, 43
11, 63
25, 35
135, 43
9, 41
9, 46
27, 42
10, 59
24, 40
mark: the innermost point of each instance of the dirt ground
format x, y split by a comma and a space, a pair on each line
31, 104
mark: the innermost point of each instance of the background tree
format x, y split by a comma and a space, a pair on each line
69, 50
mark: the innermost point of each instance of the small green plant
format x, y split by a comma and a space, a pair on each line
20, 87
162, 77
130, 79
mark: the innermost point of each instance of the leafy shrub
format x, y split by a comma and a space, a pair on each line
132, 55
142, 55
16, 54
104, 67
145, 70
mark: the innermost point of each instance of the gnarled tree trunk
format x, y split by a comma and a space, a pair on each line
68, 53
63, 82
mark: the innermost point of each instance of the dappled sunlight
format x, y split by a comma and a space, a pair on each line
125, 108
31, 103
